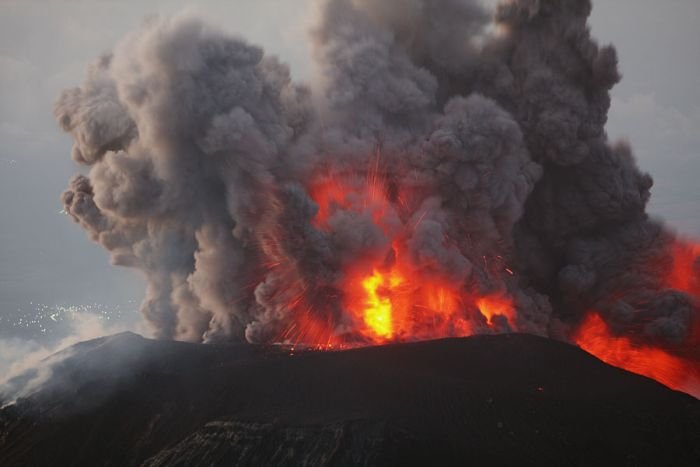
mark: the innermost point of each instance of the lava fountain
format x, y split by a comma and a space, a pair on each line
388, 296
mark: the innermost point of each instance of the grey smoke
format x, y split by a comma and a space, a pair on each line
26, 365
202, 150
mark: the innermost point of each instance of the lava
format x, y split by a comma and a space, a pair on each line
681, 273
387, 296
399, 304
595, 337
403, 197
378, 309
391, 299
491, 306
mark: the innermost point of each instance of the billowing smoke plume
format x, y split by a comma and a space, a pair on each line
462, 148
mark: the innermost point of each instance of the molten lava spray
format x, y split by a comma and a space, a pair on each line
449, 175
378, 308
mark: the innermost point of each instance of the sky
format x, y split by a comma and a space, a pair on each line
51, 274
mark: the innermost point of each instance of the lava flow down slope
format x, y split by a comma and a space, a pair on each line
445, 174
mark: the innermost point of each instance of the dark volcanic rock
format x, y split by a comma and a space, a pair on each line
484, 400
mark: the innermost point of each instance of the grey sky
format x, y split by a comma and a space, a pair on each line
46, 45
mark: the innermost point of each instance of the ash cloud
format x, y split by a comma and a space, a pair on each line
203, 154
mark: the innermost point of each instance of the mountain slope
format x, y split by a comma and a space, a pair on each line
508, 399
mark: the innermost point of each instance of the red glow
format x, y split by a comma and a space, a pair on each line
385, 295
397, 304
349, 192
493, 305
594, 337
389, 298
685, 269
684, 275
333, 195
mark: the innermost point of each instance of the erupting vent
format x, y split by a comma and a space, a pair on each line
449, 175
393, 294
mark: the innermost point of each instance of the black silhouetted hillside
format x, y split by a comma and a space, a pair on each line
484, 400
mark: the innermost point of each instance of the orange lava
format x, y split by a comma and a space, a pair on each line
385, 297
378, 310
395, 305
389, 298
594, 337
493, 305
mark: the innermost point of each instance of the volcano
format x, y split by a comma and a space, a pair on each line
511, 399
447, 172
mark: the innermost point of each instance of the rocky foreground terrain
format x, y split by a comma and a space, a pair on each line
484, 400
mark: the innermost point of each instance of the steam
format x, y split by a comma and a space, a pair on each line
203, 154
25, 365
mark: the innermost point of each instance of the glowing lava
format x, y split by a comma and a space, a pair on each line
387, 297
594, 337
387, 294
378, 312
496, 305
